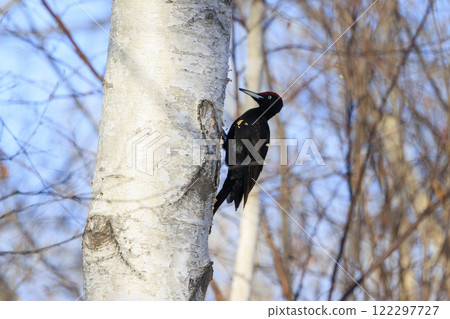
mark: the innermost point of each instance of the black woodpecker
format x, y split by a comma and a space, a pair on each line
246, 146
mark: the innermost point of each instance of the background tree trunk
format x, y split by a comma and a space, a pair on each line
241, 288
147, 232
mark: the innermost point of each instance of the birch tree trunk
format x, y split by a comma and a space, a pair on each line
241, 287
146, 236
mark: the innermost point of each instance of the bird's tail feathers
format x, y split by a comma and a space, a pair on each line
236, 188
223, 194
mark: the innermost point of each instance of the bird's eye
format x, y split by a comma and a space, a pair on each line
269, 97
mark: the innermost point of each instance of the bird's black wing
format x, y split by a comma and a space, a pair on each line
260, 133
241, 176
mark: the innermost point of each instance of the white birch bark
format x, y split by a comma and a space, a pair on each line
241, 287
146, 236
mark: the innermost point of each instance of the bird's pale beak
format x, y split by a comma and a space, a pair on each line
254, 95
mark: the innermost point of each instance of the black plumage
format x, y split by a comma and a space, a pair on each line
246, 146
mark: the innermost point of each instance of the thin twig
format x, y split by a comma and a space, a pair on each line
38, 250
69, 36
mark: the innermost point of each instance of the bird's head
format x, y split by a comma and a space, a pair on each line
270, 102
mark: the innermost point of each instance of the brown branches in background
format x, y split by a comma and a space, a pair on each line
67, 33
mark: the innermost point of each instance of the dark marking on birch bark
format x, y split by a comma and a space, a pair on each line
206, 114
211, 130
99, 234
199, 284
